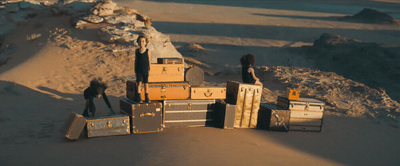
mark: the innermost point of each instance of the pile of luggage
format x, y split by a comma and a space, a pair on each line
178, 100
292, 113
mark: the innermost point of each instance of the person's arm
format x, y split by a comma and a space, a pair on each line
148, 53
107, 102
251, 70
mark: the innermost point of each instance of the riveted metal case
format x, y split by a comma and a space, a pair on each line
273, 117
145, 118
188, 113
247, 98
74, 126
108, 126
306, 114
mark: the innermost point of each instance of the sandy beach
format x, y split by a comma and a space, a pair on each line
42, 81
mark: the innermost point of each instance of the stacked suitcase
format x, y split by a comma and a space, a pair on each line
300, 114
184, 103
306, 114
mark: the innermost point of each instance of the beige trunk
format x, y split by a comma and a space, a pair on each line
247, 99
107, 126
207, 93
166, 73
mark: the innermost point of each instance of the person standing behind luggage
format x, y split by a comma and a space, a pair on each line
96, 89
142, 68
248, 75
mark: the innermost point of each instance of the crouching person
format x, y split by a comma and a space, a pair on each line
96, 89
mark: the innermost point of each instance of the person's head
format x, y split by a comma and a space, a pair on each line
142, 41
97, 85
248, 60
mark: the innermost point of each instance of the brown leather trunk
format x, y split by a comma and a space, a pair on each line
273, 117
160, 91
166, 73
247, 98
207, 93
145, 118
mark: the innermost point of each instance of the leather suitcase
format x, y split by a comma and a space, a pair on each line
74, 126
108, 126
194, 76
166, 73
160, 91
273, 117
145, 118
169, 60
303, 104
207, 93
188, 113
224, 115
247, 98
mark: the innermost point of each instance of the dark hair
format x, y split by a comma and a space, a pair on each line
248, 60
97, 83
142, 36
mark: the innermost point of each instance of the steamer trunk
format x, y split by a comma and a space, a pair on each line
145, 118
188, 113
108, 126
160, 91
247, 99
273, 117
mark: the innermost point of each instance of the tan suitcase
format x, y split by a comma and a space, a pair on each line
207, 93
74, 126
160, 91
247, 98
108, 126
166, 73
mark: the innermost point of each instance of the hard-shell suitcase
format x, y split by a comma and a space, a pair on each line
145, 118
74, 126
194, 76
273, 117
188, 113
207, 93
160, 91
224, 115
247, 98
166, 73
108, 126
303, 104
306, 120
169, 60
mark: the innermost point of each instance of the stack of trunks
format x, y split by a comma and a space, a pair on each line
292, 114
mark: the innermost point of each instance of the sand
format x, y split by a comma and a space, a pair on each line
44, 79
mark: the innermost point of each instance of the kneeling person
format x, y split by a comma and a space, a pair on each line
96, 89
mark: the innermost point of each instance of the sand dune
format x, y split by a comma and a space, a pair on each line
43, 81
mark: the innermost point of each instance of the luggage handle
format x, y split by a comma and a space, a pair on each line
208, 94
164, 70
151, 114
